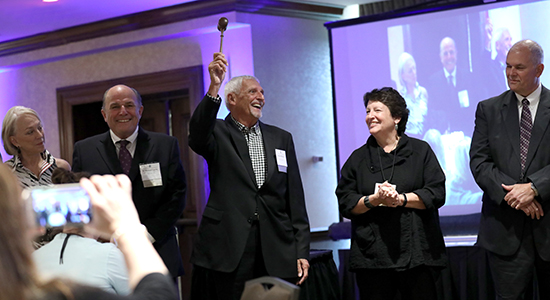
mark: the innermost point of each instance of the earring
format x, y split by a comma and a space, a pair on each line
396, 127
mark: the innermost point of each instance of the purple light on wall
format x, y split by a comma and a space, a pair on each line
8, 83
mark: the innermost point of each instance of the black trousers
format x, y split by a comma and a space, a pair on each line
514, 274
419, 283
214, 285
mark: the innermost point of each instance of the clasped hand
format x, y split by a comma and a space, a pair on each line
521, 197
388, 195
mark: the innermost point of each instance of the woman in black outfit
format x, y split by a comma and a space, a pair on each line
391, 188
114, 217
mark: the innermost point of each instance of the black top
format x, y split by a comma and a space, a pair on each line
154, 286
394, 238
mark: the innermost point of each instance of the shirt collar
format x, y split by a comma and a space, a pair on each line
131, 139
452, 73
533, 98
243, 128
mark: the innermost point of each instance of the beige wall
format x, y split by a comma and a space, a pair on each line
289, 55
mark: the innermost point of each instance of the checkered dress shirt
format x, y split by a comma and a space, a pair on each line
253, 136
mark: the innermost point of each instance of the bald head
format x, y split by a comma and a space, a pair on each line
447, 54
122, 110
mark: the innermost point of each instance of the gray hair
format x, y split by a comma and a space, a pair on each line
234, 86
8, 125
537, 54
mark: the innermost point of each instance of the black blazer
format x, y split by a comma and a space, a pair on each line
158, 207
444, 110
384, 238
495, 159
234, 197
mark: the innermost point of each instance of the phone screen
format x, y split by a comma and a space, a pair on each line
61, 204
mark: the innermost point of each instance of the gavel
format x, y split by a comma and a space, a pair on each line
222, 26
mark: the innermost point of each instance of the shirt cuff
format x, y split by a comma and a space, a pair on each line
217, 99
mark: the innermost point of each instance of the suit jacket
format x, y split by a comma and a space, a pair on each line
158, 207
495, 159
496, 81
444, 110
235, 197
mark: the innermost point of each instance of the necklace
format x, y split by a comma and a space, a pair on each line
392, 165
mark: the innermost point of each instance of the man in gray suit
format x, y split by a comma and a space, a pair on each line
510, 160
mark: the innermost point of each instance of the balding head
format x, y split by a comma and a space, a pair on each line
447, 54
122, 110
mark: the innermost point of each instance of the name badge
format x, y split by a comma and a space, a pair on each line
150, 174
281, 160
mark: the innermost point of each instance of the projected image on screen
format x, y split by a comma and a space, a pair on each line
443, 64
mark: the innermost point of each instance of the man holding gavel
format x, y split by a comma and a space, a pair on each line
255, 222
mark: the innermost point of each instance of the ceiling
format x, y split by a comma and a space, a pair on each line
23, 18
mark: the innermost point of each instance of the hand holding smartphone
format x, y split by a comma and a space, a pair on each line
60, 204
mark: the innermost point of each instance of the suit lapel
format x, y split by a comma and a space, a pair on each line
143, 150
269, 148
240, 145
511, 122
107, 151
542, 120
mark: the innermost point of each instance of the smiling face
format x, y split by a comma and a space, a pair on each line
504, 43
246, 107
29, 135
409, 72
521, 71
447, 54
380, 121
121, 110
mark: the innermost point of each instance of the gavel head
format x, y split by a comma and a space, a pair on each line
222, 24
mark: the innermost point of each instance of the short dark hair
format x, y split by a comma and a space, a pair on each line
394, 101
61, 175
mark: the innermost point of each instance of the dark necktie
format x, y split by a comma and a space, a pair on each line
525, 128
450, 81
125, 157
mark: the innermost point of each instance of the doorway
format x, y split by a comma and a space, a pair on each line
169, 98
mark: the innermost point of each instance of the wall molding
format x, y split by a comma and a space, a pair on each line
167, 15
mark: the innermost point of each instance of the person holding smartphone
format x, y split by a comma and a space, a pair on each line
114, 216
76, 254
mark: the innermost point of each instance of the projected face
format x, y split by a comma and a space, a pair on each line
447, 54
409, 73
379, 120
522, 73
504, 43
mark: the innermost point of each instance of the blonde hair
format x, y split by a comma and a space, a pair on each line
8, 125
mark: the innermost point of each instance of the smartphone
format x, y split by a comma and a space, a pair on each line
60, 204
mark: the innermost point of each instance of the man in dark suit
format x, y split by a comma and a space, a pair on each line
450, 93
152, 162
515, 182
255, 222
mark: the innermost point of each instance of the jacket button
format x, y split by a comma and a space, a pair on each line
249, 220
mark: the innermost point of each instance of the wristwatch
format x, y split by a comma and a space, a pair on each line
367, 202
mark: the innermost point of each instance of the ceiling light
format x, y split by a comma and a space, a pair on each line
49, 0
